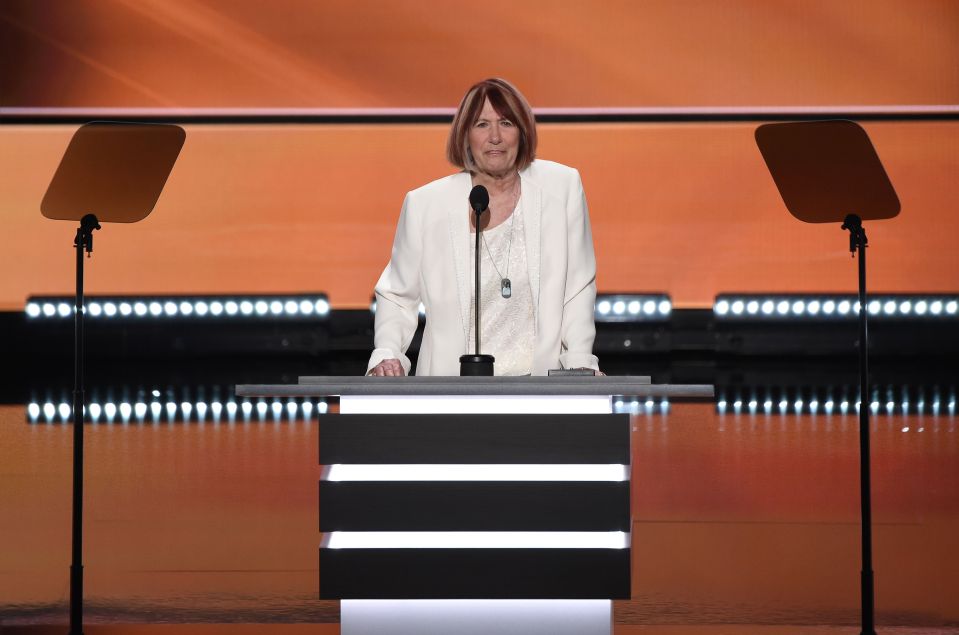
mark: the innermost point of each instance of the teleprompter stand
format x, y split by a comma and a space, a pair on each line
118, 171
828, 172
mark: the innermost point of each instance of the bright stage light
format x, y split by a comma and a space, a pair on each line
476, 540
478, 472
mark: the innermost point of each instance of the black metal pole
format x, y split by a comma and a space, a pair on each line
476, 365
82, 243
476, 301
858, 243
868, 599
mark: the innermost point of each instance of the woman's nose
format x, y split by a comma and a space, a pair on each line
494, 135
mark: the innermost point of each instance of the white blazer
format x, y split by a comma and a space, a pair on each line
430, 263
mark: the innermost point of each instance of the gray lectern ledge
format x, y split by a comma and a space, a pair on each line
475, 505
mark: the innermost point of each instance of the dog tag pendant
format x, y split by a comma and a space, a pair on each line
506, 288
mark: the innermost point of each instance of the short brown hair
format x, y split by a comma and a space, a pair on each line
509, 103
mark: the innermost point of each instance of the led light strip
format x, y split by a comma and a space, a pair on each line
125, 412
827, 306
632, 308
183, 307
476, 472
635, 406
476, 540
833, 406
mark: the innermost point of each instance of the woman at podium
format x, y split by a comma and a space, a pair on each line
538, 284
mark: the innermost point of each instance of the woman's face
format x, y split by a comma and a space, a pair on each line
494, 142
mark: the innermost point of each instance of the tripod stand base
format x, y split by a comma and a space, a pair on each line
476, 365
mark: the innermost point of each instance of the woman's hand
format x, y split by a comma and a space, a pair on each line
388, 368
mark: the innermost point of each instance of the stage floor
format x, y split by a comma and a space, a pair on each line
742, 524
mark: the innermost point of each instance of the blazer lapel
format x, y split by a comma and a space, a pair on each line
532, 206
459, 227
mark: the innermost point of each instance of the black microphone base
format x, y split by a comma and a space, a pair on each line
476, 365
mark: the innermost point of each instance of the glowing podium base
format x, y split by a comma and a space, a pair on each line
476, 617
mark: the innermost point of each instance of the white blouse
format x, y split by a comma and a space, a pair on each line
508, 324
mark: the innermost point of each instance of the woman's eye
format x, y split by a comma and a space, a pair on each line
481, 124
506, 122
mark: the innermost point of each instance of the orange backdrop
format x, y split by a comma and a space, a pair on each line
689, 209
398, 53
684, 208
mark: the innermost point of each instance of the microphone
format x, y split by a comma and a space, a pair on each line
479, 199
477, 365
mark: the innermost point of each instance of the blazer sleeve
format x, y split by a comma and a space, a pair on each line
578, 330
398, 292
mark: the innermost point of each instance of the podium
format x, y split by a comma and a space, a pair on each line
475, 505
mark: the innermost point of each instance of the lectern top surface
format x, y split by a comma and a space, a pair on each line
367, 386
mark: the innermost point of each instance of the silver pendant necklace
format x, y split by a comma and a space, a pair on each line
506, 286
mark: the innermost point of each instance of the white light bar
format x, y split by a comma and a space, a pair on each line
169, 411
817, 401
476, 540
192, 307
833, 307
623, 307
477, 472
645, 406
476, 404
